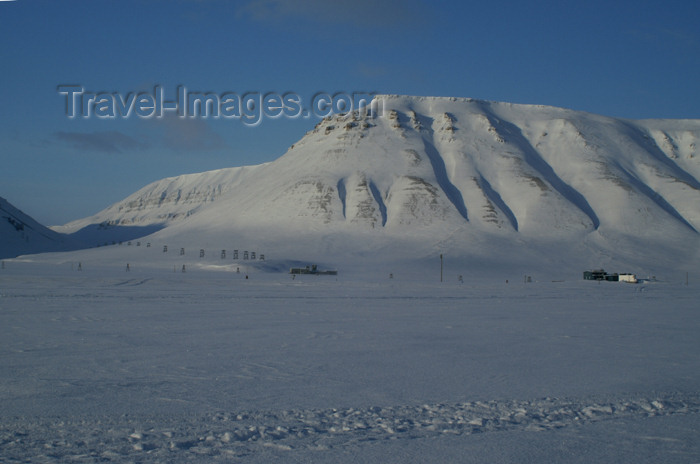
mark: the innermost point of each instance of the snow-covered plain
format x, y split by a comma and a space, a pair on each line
157, 365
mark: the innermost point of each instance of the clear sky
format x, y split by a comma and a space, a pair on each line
632, 59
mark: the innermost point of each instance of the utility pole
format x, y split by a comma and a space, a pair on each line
440, 267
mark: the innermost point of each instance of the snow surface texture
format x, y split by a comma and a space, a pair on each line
151, 365
511, 183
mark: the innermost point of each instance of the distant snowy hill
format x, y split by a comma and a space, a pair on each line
155, 206
161, 202
20, 234
481, 180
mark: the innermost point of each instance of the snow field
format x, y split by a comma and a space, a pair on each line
222, 435
151, 366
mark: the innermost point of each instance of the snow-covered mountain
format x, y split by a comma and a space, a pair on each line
481, 180
164, 201
155, 206
20, 234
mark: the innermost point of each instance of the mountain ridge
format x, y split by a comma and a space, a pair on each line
431, 169
22, 234
441, 172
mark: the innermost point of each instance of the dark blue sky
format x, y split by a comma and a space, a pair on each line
633, 59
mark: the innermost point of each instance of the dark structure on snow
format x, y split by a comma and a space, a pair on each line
311, 270
600, 274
